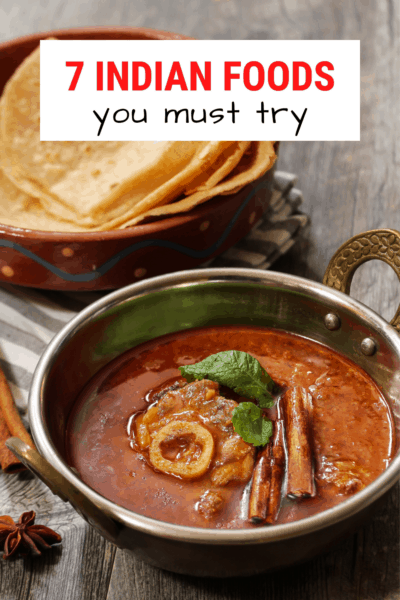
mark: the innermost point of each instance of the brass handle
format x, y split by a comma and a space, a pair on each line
63, 488
380, 244
31, 458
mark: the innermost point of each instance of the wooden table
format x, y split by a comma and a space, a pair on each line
348, 188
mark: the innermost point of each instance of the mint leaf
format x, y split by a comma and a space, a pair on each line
237, 370
249, 423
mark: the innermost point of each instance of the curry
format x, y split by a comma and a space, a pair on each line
148, 439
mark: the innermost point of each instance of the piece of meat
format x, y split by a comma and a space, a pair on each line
210, 504
239, 470
233, 449
197, 403
346, 475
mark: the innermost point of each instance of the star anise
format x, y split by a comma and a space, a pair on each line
23, 538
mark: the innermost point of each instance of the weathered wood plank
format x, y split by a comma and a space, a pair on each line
80, 566
80, 569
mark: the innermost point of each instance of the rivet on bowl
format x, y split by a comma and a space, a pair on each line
68, 252
368, 346
332, 322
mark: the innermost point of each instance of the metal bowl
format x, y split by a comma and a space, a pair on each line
112, 259
179, 301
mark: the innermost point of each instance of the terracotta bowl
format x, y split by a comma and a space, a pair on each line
112, 259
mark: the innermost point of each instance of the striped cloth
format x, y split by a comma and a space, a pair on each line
30, 318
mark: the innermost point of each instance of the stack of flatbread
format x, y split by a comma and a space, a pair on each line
99, 186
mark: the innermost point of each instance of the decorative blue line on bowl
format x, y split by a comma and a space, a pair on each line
111, 262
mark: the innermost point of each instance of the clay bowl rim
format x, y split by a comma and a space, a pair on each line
145, 32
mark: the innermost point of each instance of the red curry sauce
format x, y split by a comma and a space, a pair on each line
352, 423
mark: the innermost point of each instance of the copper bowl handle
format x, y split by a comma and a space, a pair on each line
380, 244
63, 488
31, 458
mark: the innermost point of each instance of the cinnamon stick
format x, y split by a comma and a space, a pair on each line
277, 468
8, 461
260, 486
297, 406
11, 414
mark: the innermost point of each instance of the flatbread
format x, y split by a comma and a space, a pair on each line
18, 209
256, 164
97, 186
86, 179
